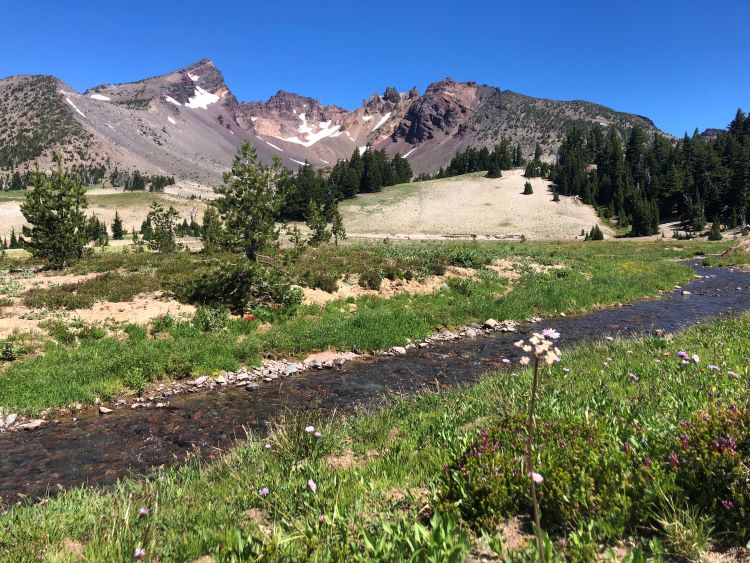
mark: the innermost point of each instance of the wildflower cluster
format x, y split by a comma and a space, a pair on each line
541, 346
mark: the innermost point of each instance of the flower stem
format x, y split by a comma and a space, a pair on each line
530, 425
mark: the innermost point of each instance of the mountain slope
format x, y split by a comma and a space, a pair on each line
188, 124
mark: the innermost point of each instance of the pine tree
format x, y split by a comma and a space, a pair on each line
494, 168
250, 203
715, 233
163, 222
211, 231
117, 230
528, 189
54, 209
316, 222
337, 226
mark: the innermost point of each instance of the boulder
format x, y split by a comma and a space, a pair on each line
104, 410
399, 350
490, 323
32, 424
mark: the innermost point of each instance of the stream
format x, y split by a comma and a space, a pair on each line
98, 450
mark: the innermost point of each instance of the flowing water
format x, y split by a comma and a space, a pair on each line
98, 450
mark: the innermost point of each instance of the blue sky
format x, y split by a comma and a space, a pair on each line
685, 64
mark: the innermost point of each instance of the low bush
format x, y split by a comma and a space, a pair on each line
371, 279
241, 286
710, 460
585, 477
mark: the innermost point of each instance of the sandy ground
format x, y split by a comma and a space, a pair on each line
466, 206
133, 212
141, 310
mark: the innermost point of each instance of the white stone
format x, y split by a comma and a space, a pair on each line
104, 410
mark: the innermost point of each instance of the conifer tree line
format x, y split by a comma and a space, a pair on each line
136, 181
91, 175
362, 173
638, 181
501, 157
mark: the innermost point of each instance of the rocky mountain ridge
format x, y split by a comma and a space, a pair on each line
188, 124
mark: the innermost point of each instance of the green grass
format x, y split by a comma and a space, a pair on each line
596, 274
373, 509
124, 199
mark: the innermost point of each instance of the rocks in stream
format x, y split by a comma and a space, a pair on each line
268, 372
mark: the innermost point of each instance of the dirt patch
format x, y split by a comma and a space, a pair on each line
741, 248
44, 280
141, 310
470, 205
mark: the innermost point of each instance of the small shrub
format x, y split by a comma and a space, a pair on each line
464, 286
162, 323
371, 279
210, 319
527, 189
241, 286
711, 466
324, 280
585, 477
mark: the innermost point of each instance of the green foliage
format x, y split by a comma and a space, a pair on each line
249, 203
711, 470
527, 188
241, 286
210, 319
110, 286
118, 232
595, 233
371, 278
212, 233
585, 476
715, 233
162, 225
54, 209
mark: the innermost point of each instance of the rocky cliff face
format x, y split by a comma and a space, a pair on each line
187, 123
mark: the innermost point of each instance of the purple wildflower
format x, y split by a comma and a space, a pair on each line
633, 377
264, 491
312, 485
536, 477
267, 446
139, 553
673, 460
727, 504
322, 518
714, 367
143, 511
317, 434
696, 359
646, 461
683, 355
310, 429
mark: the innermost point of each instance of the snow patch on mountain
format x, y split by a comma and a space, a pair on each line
411, 151
362, 149
274, 146
172, 120
100, 97
74, 107
306, 137
383, 119
367, 118
193, 78
171, 100
298, 162
201, 99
